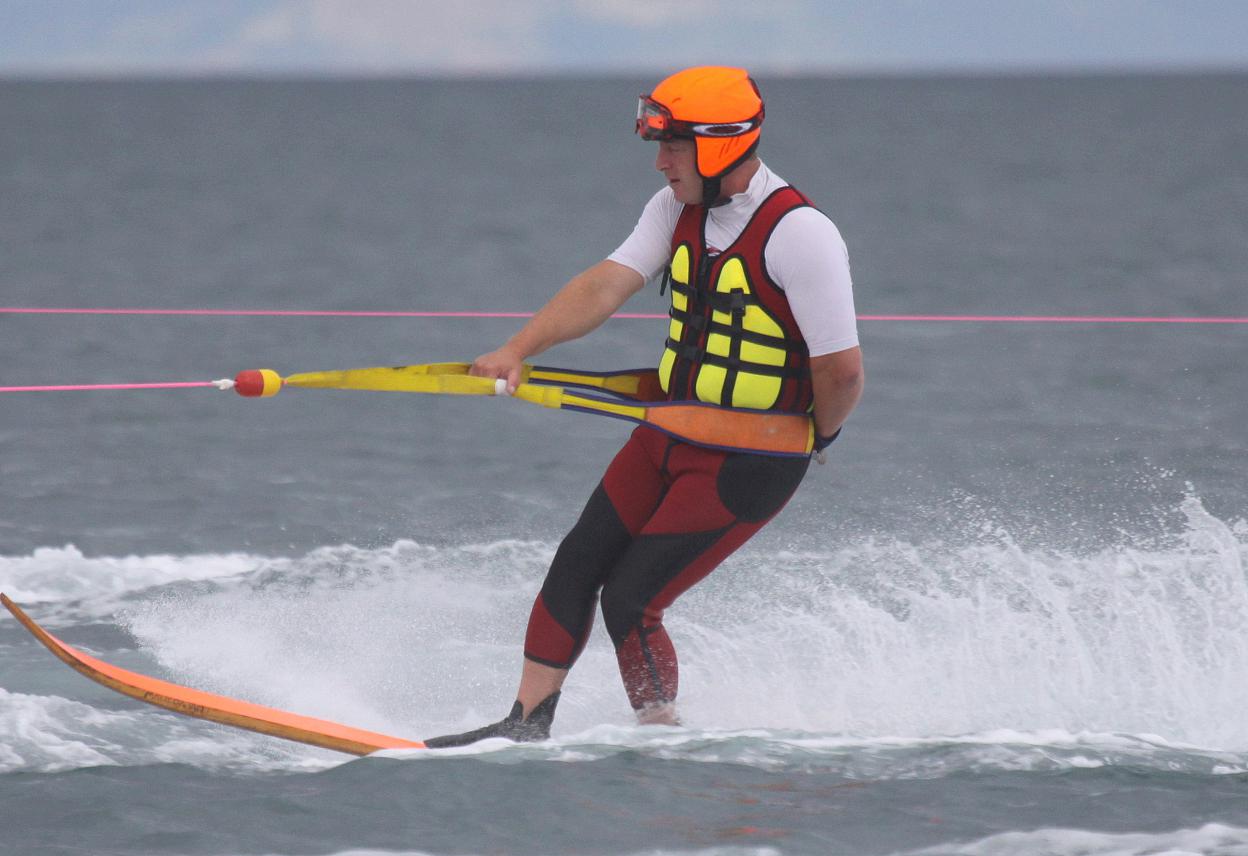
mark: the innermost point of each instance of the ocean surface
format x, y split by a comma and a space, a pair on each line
1009, 616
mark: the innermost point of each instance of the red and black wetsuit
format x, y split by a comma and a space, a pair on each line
667, 512
664, 516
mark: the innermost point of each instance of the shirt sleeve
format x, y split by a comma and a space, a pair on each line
806, 256
649, 248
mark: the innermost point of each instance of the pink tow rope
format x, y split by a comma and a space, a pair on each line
81, 387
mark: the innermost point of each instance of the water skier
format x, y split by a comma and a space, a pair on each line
762, 317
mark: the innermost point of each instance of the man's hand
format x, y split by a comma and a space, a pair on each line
504, 363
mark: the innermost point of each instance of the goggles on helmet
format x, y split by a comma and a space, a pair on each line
655, 122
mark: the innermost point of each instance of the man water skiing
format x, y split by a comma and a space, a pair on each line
762, 318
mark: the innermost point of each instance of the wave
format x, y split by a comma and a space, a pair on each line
1212, 839
96, 584
971, 634
865, 759
48, 734
709, 851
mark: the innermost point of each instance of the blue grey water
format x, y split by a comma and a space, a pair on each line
1009, 616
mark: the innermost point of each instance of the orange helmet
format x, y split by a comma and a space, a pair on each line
718, 107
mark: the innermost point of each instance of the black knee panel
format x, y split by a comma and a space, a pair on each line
652, 561
583, 560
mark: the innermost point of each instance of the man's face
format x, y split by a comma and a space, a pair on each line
677, 161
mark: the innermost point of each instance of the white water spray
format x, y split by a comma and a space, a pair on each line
874, 638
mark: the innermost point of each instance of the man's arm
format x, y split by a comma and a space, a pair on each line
582, 305
837, 380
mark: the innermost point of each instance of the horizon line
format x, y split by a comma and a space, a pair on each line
538, 73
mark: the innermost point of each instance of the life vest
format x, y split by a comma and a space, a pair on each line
732, 339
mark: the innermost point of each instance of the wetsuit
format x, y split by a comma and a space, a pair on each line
664, 516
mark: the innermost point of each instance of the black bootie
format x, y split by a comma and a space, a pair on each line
517, 727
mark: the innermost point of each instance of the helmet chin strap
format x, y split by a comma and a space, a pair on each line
712, 187
710, 192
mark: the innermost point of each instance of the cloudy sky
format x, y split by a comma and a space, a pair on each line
434, 37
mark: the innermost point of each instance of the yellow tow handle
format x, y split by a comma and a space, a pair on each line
760, 431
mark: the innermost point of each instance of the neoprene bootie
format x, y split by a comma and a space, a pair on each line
517, 727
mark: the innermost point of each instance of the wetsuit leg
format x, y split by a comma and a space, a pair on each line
714, 503
563, 613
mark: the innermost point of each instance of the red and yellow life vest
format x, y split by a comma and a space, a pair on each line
732, 339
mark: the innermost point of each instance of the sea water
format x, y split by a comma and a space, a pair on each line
1009, 616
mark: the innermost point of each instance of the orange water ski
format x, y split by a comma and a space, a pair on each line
215, 708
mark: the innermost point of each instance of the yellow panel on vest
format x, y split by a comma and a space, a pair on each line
768, 356
676, 329
680, 266
755, 391
718, 344
710, 384
732, 277
665, 368
757, 320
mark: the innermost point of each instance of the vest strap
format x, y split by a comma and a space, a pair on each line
690, 352
732, 301
701, 322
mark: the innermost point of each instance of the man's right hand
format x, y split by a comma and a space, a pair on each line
504, 363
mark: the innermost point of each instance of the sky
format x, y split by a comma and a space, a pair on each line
500, 37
